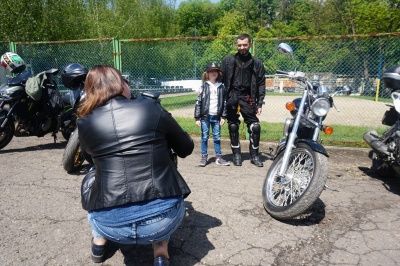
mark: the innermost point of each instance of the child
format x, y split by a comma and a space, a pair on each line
210, 110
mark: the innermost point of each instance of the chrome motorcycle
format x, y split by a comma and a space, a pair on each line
299, 169
385, 153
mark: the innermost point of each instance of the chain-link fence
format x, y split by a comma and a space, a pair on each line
174, 66
354, 61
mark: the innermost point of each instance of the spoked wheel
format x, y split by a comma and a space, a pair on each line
73, 156
6, 134
289, 196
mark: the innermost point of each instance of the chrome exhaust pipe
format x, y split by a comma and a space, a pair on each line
372, 139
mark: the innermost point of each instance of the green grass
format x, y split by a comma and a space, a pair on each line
347, 136
170, 103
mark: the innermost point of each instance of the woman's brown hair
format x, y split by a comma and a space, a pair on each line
102, 83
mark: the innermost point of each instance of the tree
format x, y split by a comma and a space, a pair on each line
199, 14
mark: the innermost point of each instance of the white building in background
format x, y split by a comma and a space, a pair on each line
193, 84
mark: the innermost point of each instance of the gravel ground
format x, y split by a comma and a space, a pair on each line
356, 222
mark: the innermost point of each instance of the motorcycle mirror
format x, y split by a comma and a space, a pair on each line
285, 49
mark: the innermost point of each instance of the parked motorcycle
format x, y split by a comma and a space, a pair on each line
385, 153
299, 169
29, 105
73, 77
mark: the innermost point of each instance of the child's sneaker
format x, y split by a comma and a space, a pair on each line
203, 160
221, 161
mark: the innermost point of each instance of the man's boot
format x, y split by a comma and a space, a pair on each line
254, 130
237, 158
255, 158
235, 144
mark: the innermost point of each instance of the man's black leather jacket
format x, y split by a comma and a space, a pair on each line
202, 106
257, 80
129, 142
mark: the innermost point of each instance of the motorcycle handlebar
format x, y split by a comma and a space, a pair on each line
282, 72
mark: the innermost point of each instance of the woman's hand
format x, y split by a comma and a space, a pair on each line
198, 123
222, 122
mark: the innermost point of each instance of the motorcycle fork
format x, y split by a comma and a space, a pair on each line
292, 137
317, 129
9, 113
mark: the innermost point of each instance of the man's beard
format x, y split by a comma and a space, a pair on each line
244, 52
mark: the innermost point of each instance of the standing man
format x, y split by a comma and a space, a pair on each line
244, 80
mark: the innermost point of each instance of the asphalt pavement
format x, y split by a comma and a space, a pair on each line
355, 222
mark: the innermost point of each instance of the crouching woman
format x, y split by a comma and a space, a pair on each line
138, 194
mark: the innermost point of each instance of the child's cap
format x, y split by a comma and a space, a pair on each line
211, 66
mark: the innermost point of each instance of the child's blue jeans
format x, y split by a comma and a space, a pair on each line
212, 121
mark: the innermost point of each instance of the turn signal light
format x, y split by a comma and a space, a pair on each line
328, 130
290, 106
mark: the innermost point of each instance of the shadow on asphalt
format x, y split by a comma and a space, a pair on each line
314, 215
47, 146
188, 245
392, 184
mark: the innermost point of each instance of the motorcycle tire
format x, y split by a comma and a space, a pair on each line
6, 134
70, 126
306, 176
73, 157
66, 134
379, 167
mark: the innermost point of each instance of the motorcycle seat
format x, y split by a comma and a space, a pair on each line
53, 71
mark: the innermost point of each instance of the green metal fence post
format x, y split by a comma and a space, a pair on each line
117, 54
13, 47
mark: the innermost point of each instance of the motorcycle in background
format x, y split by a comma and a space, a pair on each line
29, 105
299, 169
385, 153
73, 77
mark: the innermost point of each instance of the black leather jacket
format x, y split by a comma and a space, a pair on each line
202, 106
130, 141
257, 80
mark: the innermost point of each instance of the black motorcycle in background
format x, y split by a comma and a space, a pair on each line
385, 153
73, 77
28, 113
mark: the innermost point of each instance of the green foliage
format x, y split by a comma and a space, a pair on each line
199, 15
44, 20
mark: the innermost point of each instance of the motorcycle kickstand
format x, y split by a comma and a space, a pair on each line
55, 137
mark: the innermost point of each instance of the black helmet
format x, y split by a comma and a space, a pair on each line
73, 75
391, 78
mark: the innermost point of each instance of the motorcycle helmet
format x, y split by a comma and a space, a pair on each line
73, 75
12, 62
391, 78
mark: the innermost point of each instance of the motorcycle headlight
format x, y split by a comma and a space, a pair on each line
320, 107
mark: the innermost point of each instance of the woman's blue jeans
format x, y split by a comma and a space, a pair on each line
144, 232
212, 121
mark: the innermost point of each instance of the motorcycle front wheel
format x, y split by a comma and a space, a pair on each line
73, 157
6, 134
289, 196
